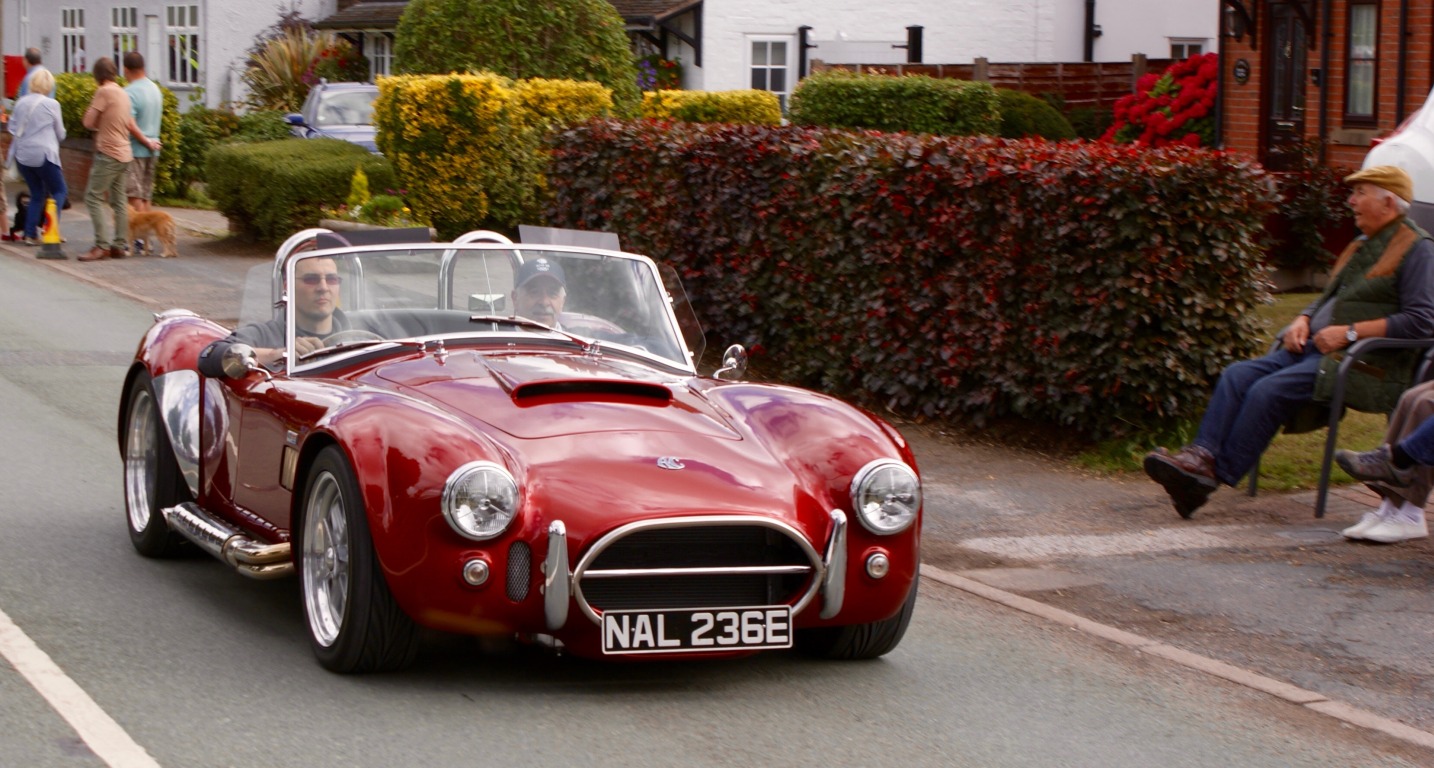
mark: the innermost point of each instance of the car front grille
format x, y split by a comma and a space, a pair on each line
704, 563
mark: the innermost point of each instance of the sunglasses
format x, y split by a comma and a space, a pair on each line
312, 279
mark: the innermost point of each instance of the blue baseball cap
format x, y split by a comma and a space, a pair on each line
540, 267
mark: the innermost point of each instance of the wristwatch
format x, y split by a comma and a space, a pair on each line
1351, 335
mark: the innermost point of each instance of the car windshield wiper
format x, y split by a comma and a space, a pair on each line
351, 345
523, 322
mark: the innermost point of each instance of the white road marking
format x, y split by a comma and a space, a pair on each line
99, 731
1162, 540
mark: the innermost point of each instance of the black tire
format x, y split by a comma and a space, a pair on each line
858, 641
354, 623
152, 480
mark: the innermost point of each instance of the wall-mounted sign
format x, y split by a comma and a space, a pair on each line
1242, 71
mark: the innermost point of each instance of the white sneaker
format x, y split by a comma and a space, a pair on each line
1371, 519
1398, 528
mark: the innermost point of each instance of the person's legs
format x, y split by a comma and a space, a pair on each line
120, 206
1232, 391
34, 180
1268, 404
52, 176
103, 173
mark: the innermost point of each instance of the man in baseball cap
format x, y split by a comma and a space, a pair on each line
540, 290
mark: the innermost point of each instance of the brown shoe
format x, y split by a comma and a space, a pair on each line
95, 254
1188, 476
117, 252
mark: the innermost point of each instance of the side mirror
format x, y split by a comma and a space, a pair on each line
294, 118
239, 361
734, 364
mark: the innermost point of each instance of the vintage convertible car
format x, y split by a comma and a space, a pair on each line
444, 462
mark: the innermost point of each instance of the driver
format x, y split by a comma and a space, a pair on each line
316, 315
540, 291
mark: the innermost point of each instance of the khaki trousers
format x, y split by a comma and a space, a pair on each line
107, 175
1415, 405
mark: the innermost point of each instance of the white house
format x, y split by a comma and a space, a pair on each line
769, 44
196, 47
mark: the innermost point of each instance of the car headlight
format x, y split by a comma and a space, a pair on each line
886, 495
480, 500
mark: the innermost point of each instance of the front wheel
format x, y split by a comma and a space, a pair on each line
859, 641
355, 625
152, 480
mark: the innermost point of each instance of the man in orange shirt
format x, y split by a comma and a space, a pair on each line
110, 119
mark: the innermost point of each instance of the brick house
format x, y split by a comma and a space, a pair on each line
1333, 72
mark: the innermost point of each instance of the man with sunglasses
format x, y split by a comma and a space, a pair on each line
316, 315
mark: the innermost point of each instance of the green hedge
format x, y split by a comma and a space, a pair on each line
1089, 285
753, 107
1025, 116
273, 189
914, 103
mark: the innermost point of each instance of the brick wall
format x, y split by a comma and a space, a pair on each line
76, 156
1346, 142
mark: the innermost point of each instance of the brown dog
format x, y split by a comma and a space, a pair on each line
153, 225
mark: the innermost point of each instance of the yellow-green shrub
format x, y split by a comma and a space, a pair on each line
752, 107
468, 148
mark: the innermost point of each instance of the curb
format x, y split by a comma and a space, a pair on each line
1311, 700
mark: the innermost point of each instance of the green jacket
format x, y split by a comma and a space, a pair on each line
1365, 286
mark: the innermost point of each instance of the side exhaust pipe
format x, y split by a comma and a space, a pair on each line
249, 557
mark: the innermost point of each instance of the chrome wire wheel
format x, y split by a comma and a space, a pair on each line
141, 460
325, 565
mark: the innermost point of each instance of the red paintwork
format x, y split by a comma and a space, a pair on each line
407, 421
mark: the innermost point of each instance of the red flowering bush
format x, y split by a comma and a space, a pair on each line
338, 63
655, 73
1177, 107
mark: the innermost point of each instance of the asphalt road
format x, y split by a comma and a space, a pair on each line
183, 663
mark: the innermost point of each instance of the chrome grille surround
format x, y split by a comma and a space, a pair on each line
814, 569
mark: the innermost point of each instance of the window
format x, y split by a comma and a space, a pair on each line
182, 35
72, 39
380, 54
771, 71
1360, 79
124, 32
1183, 48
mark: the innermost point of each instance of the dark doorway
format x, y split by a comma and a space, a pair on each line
1286, 44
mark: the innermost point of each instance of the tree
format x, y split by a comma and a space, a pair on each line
520, 39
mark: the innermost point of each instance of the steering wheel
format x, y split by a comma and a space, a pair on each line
352, 334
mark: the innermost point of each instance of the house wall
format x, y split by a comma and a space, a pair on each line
1346, 143
227, 29
955, 31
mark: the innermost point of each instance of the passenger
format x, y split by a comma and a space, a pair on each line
540, 291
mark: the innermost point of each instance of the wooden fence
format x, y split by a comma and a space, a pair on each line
1082, 84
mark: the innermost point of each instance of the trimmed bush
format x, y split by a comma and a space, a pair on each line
752, 107
915, 104
583, 40
273, 189
1025, 116
1087, 285
467, 147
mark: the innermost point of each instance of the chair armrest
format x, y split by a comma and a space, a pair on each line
1362, 347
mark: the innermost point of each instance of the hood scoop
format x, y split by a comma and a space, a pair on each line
606, 390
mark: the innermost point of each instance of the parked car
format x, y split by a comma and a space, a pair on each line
337, 111
1411, 147
444, 461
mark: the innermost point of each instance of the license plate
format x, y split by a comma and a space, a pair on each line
695, 630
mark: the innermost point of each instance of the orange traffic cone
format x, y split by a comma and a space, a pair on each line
50, 235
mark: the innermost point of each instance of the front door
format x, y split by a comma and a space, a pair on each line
1284, 107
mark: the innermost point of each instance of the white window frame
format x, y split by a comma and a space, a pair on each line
788, 67
379, 53
1182, 48
124, 31
181, 36
73, 57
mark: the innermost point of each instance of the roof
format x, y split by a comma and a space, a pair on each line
632, 10
366, 15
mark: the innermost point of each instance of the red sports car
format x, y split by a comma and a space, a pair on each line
510, 439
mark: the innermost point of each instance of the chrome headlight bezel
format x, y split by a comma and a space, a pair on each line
461, 518
873, 514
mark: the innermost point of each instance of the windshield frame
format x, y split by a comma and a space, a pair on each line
301, 246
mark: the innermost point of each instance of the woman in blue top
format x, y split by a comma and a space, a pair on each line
38, 131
